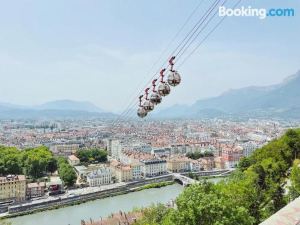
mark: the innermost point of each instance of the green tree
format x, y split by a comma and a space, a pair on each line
35, 161
52, 165
92, 155
244, 163
295, 178
66, 172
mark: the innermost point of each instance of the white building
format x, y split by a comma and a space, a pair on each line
108, 144
249, 147
154, 167
100, 177
161, 152
116, 149
136, 171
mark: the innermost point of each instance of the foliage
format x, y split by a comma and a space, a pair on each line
198, 154
33, 162
250, 195
155, 185
295, 180
36, 161
10, 161
155, 214
66, 172
92, 155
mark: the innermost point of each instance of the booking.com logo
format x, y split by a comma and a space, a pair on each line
261, 13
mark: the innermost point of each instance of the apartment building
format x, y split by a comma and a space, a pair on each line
13, 187
154, 167
136, 171
232, 156
64, 150
178, 164
116, 149
123, 173
35, 190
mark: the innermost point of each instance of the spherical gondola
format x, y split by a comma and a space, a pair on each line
141, 112
164, 89
174, 78
155, 98
148, 106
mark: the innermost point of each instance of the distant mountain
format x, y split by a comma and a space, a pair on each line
61, 109
282, 100
70, 105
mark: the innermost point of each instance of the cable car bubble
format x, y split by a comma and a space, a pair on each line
174, 78
148, 106
155, 98
164, 89
141, 112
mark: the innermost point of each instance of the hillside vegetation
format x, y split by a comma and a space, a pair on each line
253, 193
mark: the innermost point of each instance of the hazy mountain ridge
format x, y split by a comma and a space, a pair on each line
279, 100
70, 105
53, 109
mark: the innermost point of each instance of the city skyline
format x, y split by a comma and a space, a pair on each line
86, 51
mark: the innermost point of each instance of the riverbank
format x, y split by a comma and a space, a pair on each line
101, 208
65, 201
154, 185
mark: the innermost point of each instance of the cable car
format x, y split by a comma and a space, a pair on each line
148, 105
155, 98
141, 112
163, 89
174, 78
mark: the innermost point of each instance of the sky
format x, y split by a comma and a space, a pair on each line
103, 51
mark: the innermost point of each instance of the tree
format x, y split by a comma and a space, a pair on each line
52, 165
295, 179
92, 155
154, 215
194, 155
244, 163
66, 172
9, 161
36, 161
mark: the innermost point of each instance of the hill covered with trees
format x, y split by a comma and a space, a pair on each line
255, 191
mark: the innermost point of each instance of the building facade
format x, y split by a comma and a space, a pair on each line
35, 190
154, 167
64, 150
100, 177
73, 160
13, 187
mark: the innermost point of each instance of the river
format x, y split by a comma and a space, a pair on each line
72, 215
100, 208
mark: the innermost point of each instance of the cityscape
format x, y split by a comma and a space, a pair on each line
136, 154
150, 112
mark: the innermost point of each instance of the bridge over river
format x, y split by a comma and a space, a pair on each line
185, 180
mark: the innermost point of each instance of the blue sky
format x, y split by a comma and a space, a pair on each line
101, 51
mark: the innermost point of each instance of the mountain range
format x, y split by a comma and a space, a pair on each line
53, 109
276, 101
281, 100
